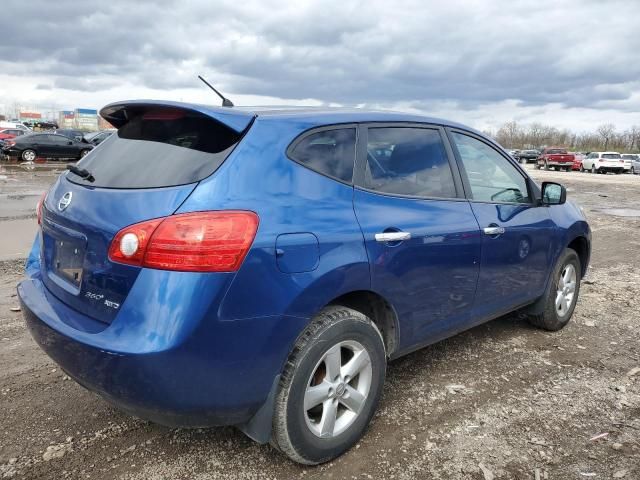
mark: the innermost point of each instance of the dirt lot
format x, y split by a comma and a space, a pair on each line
503, 400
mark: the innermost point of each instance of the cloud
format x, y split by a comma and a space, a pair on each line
576, 54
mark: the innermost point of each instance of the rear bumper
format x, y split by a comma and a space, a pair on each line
209, 373
552, 163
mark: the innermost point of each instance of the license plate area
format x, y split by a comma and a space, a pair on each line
64, 254
68, 260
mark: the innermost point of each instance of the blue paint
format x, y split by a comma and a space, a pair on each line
202, 349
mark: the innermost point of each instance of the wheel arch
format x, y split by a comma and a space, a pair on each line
580, 245
379, 310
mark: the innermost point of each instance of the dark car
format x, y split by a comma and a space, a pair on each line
221, 266
96, 138
46, 145
526, 156
77, 135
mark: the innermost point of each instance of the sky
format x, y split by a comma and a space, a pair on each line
572, 63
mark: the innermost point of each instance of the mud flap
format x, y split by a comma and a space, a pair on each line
258, 428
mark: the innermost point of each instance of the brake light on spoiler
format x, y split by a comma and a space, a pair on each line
216, 241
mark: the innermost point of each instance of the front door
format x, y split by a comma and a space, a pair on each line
421, 236
516, 232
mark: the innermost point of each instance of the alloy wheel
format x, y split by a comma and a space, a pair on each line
337, 389
565, 293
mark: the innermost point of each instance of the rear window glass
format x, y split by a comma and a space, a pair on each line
159, 148
611, 155
556, 151
330, 152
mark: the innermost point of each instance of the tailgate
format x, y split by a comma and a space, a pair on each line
76, 239
144, 171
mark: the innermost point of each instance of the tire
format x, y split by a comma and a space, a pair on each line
84, 152
633, 171
302, 434
554, 318
28, 155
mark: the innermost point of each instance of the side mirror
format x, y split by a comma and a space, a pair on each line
553, 193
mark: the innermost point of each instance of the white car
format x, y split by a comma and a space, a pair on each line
17, 125
603, 162
631, 162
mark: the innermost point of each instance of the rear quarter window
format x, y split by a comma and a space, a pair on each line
159, 148
329, 152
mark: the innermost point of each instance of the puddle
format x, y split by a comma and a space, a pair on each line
619, 212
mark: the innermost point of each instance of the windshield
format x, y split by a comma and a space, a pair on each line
611, 155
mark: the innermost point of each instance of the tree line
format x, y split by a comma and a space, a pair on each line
513, 135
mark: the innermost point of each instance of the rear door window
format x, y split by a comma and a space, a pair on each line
408, 161
159, 148
329, 152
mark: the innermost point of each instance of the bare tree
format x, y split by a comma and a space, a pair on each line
606, 132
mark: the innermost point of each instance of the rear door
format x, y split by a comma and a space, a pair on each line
144, 171
62, 147
516, 233
421, 236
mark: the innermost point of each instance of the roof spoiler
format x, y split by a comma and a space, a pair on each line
119, 113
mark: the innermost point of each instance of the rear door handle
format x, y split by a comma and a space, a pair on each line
392, 236
493, 230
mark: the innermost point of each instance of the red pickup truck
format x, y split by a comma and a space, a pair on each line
555, 157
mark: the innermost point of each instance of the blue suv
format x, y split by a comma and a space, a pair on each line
223, 266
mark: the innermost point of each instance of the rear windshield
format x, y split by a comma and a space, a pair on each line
611, 155
159, 148
556, 151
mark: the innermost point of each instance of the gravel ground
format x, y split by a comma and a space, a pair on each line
502, 400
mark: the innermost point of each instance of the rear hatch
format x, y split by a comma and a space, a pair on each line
146, 170
611, 160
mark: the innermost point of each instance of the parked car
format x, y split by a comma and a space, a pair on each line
14, 125
7, 133
46, 145
215, 266
554, 157
525, 156
629, 159
96, 138
77, 135
603, 162
577, 161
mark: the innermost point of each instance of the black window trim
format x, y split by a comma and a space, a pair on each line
532, 190
325, 128
361, 160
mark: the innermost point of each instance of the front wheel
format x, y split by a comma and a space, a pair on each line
330, 386
562, 293
29, 155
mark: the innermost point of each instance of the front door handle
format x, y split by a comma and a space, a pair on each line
493, 230
392, 236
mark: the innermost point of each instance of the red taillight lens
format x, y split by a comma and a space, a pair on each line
190, 242
40, 206
142, 232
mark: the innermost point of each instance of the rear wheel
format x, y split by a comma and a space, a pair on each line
330, 387
562, 293
84, 152
28, 155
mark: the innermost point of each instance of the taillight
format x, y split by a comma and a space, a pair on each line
40, 206
190, 242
